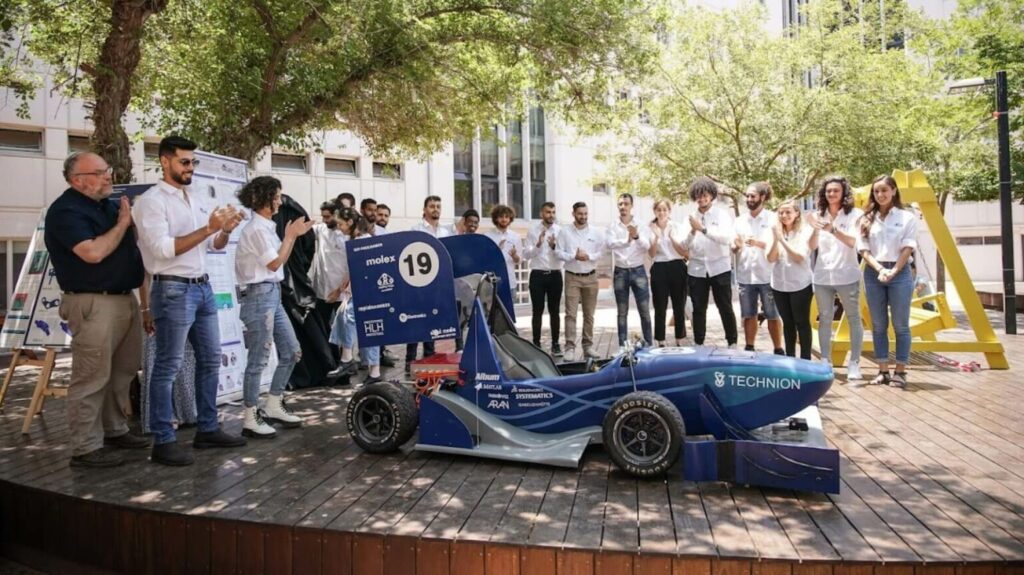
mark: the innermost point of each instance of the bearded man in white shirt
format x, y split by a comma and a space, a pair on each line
508, 242
325, 271
629, 242
545, 274
580, 246
431, 224
754, 238
710, 268
175, 227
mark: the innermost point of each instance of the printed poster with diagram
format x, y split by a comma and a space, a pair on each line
33, 319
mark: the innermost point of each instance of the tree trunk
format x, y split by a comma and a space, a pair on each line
112, 81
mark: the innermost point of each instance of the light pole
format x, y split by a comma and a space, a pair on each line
1002, 115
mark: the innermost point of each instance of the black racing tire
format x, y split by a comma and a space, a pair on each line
381, 417
643, 433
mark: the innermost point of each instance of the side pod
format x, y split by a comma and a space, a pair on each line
783, 455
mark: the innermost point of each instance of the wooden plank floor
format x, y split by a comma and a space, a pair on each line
932, 474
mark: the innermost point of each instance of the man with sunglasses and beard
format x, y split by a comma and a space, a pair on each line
175, 228
753, 239
325, 273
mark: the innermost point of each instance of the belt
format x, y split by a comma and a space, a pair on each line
182, 280
590, 273
545, 271
99, 292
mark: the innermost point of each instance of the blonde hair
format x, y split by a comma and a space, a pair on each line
797, 221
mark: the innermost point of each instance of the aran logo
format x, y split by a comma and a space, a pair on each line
373, 327
381, 260
496, 404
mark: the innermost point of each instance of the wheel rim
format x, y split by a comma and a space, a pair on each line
643, 436
374, 419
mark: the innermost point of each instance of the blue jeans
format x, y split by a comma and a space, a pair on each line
343, 333
849, 296
183, 311
635, 279
885, 299
265, 321
749, 294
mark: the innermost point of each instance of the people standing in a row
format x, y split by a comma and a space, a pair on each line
175, 228
710, 267
629, 240
836, 269
580, 246
887, 240
754, 237
791, 277
545, 275
259, 271
668, 272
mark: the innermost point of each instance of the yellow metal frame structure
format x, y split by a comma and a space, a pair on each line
924, 323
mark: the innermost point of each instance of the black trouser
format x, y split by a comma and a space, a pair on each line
546, 286
795, 309
720, 287
326, 312
410, 350
668, 280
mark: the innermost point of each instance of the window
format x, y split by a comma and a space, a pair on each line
538, 177
387, 171
288, 163
514, 155
489, 196
21, 141
980, 241
340, 166
601, 188
151, 152
78, 144
12, 256
463, 156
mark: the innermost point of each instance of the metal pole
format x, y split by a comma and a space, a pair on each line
1006, 204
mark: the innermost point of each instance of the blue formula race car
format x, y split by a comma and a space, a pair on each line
730, 415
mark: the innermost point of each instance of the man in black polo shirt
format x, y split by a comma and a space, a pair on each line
92, 246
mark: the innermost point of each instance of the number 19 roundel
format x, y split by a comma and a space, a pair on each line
402, 288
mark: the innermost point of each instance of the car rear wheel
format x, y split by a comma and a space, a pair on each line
643, 433
381, 417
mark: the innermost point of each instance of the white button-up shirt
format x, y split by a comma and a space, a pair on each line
163, 213
836, 264
752, 265
325, 271
887, 237
542, 258
258, 246
589, 239
512, 240
627, 253
379, 230
438, 232
789, 275
666, 252
711, 251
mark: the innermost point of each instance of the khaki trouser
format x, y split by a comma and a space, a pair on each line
106, 354
580, 289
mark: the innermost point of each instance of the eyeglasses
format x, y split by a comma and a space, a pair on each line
186, 162
98, 173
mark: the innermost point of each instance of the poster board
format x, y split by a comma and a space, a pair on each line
33, 320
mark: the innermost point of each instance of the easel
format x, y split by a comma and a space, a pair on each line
29, 357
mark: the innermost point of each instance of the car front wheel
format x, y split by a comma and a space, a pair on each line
643, 433
381, 417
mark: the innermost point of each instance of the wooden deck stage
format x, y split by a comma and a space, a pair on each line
933, 481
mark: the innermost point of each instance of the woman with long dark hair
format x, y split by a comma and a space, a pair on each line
343, 332
888, 238
668, 272
791, 277
836, 270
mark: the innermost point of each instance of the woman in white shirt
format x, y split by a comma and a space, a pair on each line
259, 271
791, 277
668, 273
887, 239
836, 270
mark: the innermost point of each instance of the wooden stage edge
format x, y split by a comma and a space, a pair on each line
58, 533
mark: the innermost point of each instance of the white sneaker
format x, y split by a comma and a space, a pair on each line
569, 354
853, 371
590, 354
623, 349
275, 411
254, 425
732, 346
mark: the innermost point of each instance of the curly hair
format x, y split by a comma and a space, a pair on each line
703, 185
763, 189
847, 202
872, 208
501, 210
259, 193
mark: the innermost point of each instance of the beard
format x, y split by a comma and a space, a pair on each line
753, 205
183, 179
332, 225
